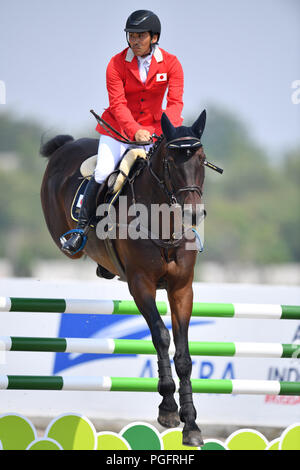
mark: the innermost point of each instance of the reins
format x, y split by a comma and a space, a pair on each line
108, 128
172, 144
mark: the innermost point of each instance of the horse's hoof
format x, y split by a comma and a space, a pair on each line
168, 419
104, 273
192, 438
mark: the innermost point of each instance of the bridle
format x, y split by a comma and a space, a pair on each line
166, 182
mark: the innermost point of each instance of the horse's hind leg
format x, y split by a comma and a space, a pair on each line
144, 295
181, 301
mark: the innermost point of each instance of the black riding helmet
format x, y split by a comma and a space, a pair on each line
141, 21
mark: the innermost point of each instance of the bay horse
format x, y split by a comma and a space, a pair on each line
173, 174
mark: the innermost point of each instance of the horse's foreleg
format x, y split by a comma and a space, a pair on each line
181, 302
144, 295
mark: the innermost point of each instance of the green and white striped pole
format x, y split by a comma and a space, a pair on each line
131, 384
128, 307
133, 346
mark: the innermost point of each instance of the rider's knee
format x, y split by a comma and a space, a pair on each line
101, 173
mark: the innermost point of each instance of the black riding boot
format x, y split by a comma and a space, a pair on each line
87, 210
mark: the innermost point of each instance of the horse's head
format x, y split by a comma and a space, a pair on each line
184, 160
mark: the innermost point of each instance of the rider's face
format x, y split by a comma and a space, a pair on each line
140, 43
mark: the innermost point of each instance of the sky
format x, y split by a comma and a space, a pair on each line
240, 55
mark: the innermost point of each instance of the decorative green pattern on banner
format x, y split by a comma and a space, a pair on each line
80, 435
142, 436
73, 431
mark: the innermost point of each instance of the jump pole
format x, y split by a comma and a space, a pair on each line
128, 346
128, 307
132, 384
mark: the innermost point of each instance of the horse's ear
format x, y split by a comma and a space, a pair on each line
199, 125
168, 129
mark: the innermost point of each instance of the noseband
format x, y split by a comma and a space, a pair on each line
166, 182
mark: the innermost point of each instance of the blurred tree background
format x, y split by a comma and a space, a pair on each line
253, 211
253, 208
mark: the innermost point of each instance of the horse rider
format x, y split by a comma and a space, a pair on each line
136, 79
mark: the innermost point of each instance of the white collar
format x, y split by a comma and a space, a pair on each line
157, 54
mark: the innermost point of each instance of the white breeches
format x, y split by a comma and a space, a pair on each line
110, 152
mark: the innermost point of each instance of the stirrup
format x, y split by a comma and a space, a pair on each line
81, 232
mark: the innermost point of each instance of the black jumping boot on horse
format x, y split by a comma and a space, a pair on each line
79, 235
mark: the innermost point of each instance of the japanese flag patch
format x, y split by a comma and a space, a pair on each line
161, 77
79, 202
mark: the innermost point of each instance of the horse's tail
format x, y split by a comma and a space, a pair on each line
47, 149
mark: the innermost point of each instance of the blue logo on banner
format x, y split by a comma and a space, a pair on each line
103, 326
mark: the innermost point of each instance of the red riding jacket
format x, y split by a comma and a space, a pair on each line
135, 105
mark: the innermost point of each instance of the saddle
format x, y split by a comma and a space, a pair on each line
115, 180
88, 166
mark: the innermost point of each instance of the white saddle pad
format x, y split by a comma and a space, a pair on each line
88, 166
